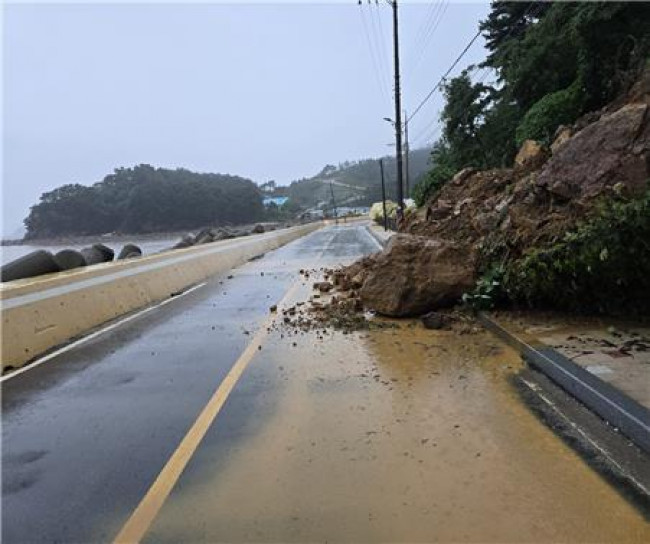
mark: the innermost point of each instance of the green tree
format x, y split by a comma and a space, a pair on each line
553, 61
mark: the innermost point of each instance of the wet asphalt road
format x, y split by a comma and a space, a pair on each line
396, 434
85, 434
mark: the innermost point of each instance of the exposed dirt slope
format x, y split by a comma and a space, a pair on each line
482, 214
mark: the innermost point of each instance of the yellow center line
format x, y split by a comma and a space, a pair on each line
144, 515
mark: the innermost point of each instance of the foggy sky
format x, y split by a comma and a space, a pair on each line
265, 91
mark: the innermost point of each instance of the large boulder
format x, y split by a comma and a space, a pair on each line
562, 135
613, 150
415, 274
460, 177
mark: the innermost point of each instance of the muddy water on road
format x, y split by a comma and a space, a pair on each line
389, 435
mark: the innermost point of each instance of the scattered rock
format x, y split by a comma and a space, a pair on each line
323, 286
460, 177
258, 229
562, 135
531, 156
435, 321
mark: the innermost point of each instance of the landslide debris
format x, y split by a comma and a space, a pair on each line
497, 215
340, 307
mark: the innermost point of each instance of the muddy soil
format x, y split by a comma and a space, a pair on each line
398, 434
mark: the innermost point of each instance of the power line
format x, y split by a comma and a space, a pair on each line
433, 126
431, 14
428, 36
437, 85
380, 40
471, 42
381, 83
433, 134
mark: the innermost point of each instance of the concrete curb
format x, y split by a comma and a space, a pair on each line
382, 240
41, 313
612, 405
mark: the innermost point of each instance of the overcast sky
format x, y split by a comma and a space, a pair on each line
265, 91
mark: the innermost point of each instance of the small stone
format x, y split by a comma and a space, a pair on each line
434, 321
323, 286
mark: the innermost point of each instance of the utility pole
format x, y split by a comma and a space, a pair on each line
383, 193
407, 151
336, 213
398, 113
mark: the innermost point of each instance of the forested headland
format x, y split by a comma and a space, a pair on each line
145, 199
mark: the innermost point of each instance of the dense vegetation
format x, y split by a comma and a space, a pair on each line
145, 199
553, 62
603, 266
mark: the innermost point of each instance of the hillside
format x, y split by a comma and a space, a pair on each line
355, 183
539, 195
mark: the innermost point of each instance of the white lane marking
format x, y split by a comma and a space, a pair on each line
21, 300
365, 229
538, 391
97, 333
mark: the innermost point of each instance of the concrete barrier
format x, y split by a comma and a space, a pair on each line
41, 313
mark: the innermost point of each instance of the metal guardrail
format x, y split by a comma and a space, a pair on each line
611, 404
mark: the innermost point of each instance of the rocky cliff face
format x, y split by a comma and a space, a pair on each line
483, 214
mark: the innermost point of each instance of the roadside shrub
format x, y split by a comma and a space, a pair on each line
488, 292
443, 170
601, 267
555, 109
377, 211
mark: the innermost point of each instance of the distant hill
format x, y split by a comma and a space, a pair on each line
355, 183
145, 199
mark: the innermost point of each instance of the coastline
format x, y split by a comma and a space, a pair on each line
128, 237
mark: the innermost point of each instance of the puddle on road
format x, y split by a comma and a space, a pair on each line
395, 435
